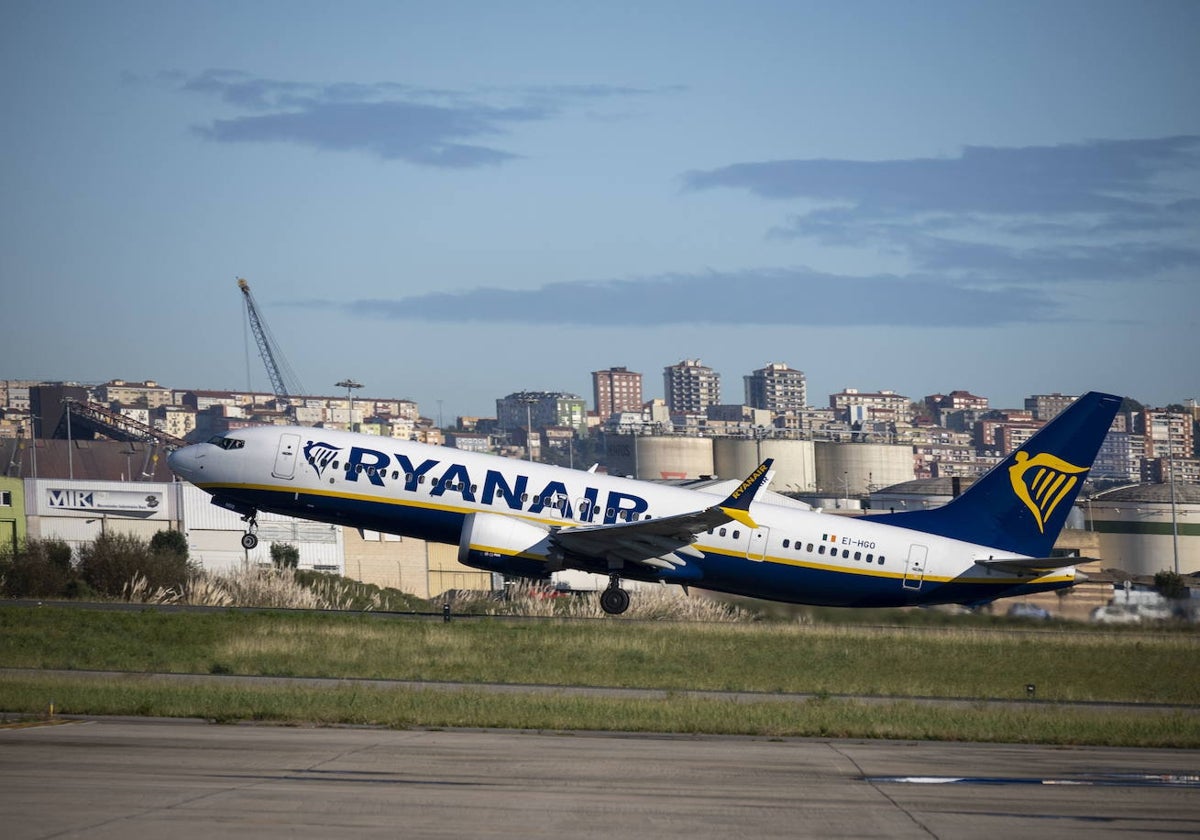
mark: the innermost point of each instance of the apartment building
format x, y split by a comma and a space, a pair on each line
616, 390
691, 387
777, 388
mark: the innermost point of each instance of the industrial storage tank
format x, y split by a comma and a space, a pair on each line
855, 469
1143, 532
659, 457
795, 464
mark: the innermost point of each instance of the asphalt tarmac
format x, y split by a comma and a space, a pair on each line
141, 778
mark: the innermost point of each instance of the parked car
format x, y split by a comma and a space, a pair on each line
1154, 612
1032, 611
1113, 614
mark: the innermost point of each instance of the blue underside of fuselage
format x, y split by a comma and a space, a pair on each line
736, 575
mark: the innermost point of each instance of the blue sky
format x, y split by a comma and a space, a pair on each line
455, 201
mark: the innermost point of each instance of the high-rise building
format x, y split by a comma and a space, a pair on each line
690, 387
777, 388
616, 390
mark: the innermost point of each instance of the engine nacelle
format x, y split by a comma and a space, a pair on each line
506, 544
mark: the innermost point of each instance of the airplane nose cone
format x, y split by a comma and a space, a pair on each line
186, 462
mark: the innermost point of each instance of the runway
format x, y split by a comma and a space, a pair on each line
133, 778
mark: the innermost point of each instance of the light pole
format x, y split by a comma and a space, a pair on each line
128, 469
528, 430
67, 403
33, 418
349, 385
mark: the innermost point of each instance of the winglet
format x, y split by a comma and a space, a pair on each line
737, 506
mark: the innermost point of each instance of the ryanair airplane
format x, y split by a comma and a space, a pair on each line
530, 520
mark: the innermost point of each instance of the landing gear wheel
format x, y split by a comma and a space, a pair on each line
614, 600
250, 539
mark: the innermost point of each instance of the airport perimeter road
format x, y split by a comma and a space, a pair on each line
111, 778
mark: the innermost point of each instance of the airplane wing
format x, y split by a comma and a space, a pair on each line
654, 542
1030, 565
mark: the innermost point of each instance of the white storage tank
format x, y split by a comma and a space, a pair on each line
795, 461
856, 469
659, 457
1140, 533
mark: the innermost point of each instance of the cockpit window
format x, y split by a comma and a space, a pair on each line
227, 442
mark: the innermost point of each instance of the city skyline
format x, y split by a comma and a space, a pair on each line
918, 197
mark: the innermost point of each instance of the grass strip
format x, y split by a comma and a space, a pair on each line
1068, 664
407, 708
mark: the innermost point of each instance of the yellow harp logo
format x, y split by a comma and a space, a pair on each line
1041, 482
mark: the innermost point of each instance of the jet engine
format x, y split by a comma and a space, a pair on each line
507, 545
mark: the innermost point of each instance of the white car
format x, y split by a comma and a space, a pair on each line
1113, 614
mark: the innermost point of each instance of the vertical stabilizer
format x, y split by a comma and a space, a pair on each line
1020, 505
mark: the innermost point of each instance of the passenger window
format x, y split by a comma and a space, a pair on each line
421, 479
870, 558
858, 555
736, 534
722, 532
335, 465
608, 513
881, 560
810, 548
845, 554
786, 542
821, 550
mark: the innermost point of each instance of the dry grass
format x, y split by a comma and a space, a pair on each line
282, 589
252, 587
660, 603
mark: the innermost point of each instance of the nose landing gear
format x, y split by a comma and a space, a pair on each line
250, 539
614, 600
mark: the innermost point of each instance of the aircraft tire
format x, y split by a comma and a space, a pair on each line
614, 600
249, 541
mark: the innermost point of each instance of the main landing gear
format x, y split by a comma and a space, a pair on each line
250, 539
614, 600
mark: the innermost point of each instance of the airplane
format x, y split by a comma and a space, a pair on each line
530, 520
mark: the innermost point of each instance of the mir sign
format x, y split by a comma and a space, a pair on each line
125, 502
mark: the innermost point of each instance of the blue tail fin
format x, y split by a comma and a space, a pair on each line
1020, 505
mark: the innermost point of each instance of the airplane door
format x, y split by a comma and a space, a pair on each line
285, 456
758, 544
914, 571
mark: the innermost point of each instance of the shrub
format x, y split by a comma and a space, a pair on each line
284, 556
1170, 584
38, 569
113, 560
169, 542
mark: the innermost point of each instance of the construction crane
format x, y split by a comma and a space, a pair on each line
283, 379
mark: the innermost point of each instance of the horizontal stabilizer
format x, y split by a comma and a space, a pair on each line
1030, 565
